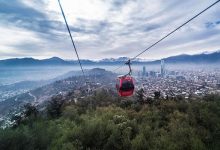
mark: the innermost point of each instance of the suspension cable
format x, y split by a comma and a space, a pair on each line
67, 26
169, 33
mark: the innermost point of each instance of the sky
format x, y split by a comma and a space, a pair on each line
106, 28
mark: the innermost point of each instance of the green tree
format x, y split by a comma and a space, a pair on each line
54, 108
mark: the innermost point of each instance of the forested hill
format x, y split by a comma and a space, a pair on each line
105, 121
97, 77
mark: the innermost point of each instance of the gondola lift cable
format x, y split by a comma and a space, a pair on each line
71, 37
170, 33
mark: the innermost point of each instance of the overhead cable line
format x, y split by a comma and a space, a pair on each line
74, 46
169, 33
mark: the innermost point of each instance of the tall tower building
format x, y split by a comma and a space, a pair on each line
162, 69
144, 71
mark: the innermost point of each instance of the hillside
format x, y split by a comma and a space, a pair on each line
96, 76
104, 121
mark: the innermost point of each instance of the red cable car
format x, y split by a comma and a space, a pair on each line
125, 83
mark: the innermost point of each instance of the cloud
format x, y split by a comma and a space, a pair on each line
106, 28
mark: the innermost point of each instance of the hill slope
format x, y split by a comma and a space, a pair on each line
102, 121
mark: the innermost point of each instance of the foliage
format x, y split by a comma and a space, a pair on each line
30, 110
103, 122
54, 107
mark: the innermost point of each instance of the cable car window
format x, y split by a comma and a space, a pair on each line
127, 86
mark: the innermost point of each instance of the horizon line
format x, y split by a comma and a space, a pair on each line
205, 52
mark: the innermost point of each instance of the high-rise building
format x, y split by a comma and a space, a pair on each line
144, 71
152, 74
162, 69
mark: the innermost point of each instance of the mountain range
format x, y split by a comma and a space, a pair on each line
198, 58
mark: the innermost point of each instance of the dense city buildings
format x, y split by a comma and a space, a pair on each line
176, 83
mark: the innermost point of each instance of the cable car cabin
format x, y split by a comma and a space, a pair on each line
125, 85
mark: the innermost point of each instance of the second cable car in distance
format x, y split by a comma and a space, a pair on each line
125, 83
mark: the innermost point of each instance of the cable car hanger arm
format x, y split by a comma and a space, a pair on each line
129, 65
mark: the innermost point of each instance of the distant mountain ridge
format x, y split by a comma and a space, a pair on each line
32, 61
198, 58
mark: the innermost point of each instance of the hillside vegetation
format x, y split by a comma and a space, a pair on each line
105, 121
